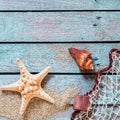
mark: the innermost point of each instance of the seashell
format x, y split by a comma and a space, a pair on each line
83, 58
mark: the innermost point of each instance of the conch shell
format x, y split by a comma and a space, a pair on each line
83, 58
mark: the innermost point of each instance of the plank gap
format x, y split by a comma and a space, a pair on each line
112, 10
61, 42
56, 73
109, 105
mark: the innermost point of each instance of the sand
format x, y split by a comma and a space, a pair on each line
37, 109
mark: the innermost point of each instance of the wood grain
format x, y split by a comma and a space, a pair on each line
65, 81
59, 27
34, 27
3, 118
81, 83
59, 5
37, 56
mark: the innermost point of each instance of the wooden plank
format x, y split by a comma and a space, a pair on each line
50, 27
82, 83
59, 5
3, 118
103, 113
110, 90
65, 81
63, 115
37, 56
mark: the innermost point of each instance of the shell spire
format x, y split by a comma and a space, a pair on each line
83, 58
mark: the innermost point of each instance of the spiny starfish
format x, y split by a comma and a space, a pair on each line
29, 86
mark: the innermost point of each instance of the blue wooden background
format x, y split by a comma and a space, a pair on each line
41, 31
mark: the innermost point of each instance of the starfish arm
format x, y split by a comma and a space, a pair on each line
41, 75
10, 87
25, 101
23, 70
41, 94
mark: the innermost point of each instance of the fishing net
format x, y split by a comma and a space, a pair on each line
104, 98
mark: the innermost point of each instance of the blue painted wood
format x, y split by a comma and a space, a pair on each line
65, 81
50, 27
59, 5
58, 27
3, 118
63, 115
38, 56
83, 84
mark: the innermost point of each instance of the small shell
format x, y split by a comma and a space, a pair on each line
83, 58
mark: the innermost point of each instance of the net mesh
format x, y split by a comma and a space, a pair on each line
105, 99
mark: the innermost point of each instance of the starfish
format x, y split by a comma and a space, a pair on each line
29, 86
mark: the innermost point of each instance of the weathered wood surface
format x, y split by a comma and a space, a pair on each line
62, 27
57, 27
110, 90
63, 115
63, 82
3, 118
59, 5
82, 83
109, 110
38, 56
